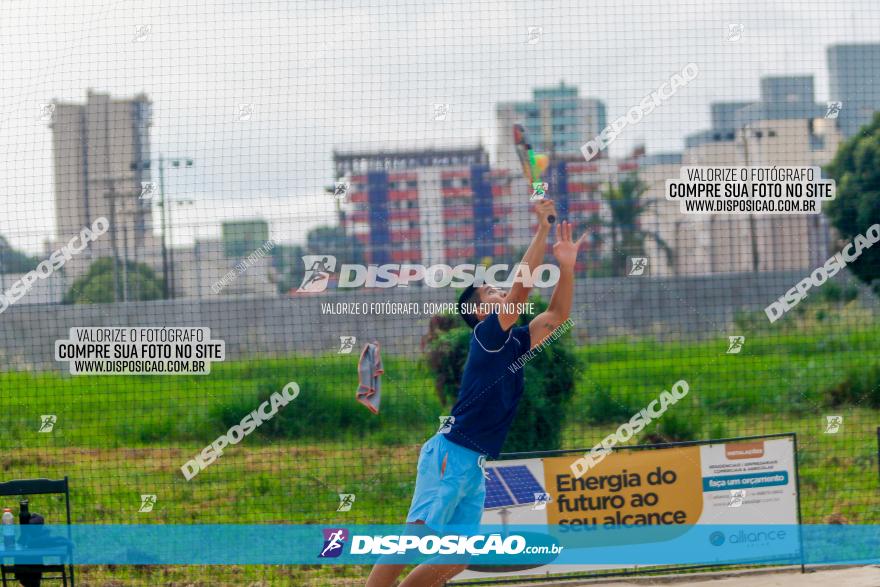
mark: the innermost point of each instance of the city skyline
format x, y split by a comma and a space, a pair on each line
325, 97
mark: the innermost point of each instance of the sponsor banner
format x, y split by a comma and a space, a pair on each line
676, 489
529, 547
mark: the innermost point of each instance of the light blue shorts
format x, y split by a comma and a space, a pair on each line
450, 495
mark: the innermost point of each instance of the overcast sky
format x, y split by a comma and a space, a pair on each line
346, 75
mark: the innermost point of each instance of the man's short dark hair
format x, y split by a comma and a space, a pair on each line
470, 295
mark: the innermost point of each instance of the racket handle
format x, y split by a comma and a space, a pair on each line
551, 219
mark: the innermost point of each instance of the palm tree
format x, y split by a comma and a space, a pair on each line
627, 236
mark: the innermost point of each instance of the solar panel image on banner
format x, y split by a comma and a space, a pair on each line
497, 495
521, 482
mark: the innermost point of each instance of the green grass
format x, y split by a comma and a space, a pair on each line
136, 411
120, 436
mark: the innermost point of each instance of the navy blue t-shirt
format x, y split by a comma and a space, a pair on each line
490, 391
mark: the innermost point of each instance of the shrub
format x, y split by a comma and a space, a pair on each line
603, 408
98, 285
326, 408
717, 430
670, 428
857, 205
859, 387
446, 344
835, 292
320, 411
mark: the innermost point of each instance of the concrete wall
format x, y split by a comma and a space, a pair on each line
668, 308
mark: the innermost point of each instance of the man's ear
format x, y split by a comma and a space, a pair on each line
478, 300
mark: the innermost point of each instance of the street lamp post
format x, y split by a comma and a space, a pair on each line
168, 258
111, 193
745, 130
167, 250
167, 204
166, 288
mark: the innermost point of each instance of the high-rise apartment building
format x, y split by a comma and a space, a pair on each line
854, 80
557, 122
100, 149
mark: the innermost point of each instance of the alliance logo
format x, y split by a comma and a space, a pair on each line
749, 539
334, 541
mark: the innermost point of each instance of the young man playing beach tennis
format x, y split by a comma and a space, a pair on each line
450, 485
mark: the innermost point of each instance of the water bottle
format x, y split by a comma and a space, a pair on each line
8, 529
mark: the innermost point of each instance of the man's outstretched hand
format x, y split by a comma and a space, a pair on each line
565, 250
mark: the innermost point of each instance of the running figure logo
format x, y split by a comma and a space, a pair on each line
735, 32
441, 111
346, 344
535, 34
541, 501
446, 423
47, 112
340, 190
539, 190
334, 540
47, 423
833, 424
245, 112
318, 270
346, 500
737, 496
141, 32
638, 265
735, 344
147, 503
148, 189
833, 109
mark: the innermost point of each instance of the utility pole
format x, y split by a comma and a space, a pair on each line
120, 278
745, 130
198, 267
167, 245
124, 262
166, 287
110, 192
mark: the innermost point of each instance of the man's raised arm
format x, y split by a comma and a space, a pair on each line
534, 256
565, 250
